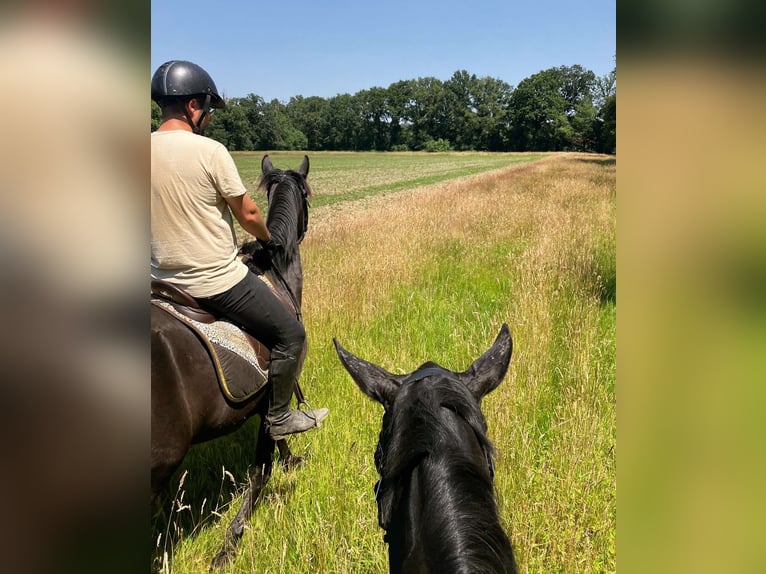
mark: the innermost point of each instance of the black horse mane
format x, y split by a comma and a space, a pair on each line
286, 191
420, 431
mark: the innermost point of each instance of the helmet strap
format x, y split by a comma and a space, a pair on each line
205, 108
197, 128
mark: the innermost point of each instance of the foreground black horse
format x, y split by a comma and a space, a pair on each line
187, 404
435, 494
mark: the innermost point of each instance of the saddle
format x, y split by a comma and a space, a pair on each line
240, 361
187, 305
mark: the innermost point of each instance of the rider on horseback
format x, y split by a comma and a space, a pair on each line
195, 190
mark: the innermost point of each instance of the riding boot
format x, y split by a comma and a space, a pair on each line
281, 420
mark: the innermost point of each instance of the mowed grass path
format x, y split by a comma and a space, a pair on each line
430, 273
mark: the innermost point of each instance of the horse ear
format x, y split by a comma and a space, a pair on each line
487, 372
304, 168
266, 166
374, 381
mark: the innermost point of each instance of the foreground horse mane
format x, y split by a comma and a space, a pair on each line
435, 497
422, 422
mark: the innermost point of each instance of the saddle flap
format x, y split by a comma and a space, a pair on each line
241, 362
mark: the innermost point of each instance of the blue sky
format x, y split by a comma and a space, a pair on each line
328, 47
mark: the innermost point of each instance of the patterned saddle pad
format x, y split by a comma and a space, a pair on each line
240, 371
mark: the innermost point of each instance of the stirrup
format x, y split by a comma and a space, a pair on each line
301, 403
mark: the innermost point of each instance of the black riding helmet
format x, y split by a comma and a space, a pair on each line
182, 80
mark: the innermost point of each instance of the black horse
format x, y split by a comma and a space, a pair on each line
435, 494
187, 404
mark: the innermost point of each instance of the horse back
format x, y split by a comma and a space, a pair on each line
172, 419
187, 404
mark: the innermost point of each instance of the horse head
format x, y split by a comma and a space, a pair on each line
433, 447
287, 195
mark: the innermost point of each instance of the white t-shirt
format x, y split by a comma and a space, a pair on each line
193, 241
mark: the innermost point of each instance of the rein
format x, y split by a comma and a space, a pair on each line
293, 299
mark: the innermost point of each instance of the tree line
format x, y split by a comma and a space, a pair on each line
567, 108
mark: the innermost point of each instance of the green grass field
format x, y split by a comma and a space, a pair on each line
415, 257
348, 176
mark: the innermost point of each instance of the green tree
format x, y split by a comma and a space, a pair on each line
491, 100
376, 119
544, 109
305, 115
397, 96
608, 133
564, 108
342, 124
401, 102
156, 115
427, 110
231, 127
477, 110
270, 133
258, 131
285, 134
605, 122
460, 109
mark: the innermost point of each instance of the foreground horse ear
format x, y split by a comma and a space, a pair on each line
486, 372
304, 168
374, 381
266, 166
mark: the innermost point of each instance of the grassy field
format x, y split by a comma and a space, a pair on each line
423, 257
347, 176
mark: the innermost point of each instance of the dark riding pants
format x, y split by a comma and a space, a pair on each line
252, 306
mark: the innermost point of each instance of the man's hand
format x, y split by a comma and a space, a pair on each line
268, 246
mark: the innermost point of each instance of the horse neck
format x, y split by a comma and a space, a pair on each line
289, 279
284, 215
447, 519
283, 226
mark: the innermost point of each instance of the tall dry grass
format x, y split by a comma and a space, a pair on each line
430, 274
547, 233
